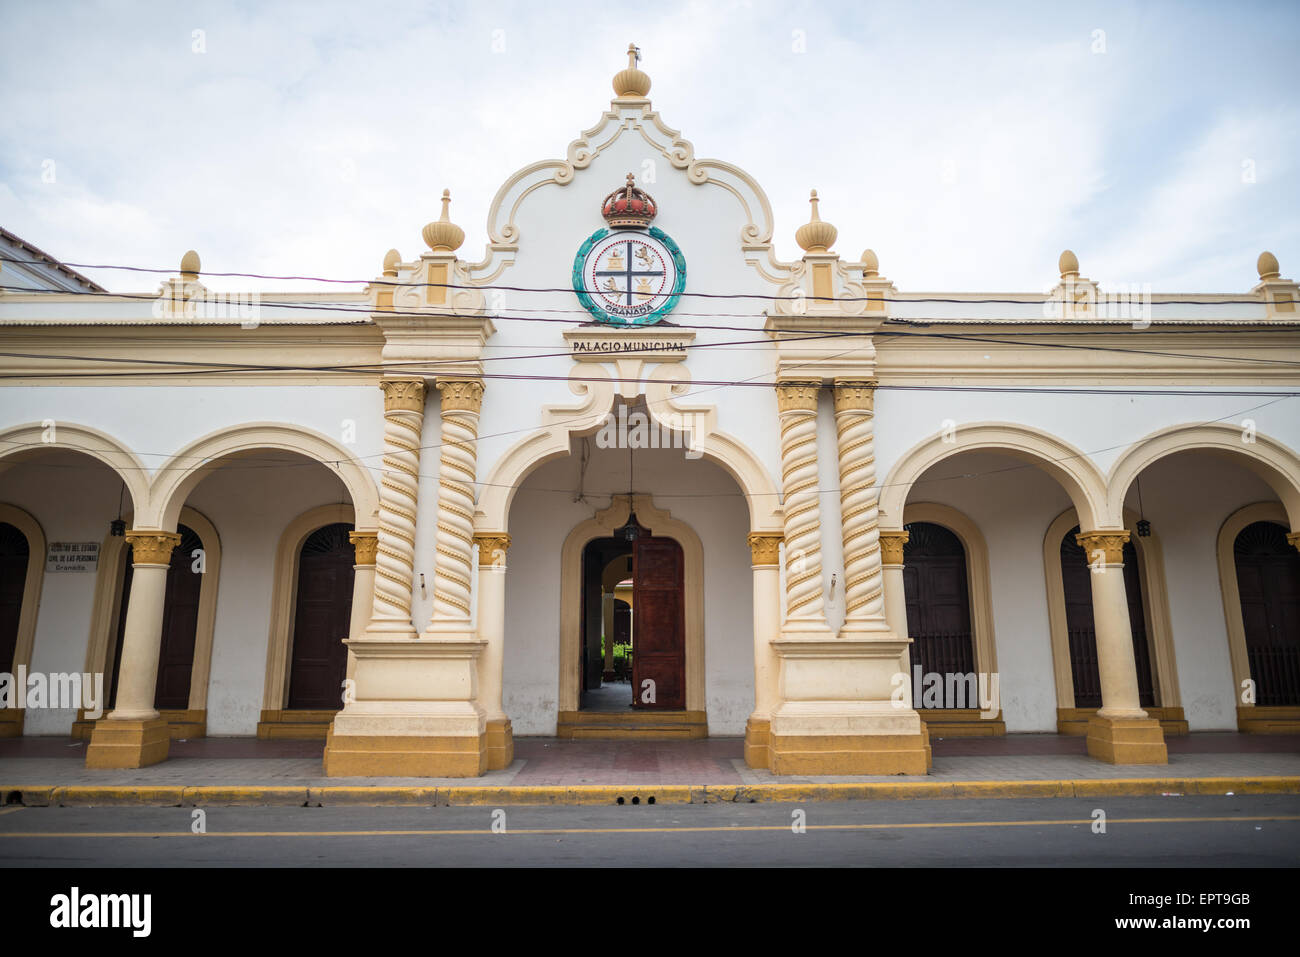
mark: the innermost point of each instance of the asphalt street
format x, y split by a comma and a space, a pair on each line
1191, 831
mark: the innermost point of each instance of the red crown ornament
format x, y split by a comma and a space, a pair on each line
629, 207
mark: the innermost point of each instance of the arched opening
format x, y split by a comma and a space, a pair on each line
179, 628
1077, 585
321, 620
935, 581
1268, 583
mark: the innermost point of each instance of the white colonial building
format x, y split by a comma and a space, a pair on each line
631, 474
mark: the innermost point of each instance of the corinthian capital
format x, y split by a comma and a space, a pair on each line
854, 396
797, 396
403, 395
460, 395
1110, 543
152, 548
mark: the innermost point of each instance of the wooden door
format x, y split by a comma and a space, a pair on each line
1268, 578
14, 553
938, 601
179, 628
322, 618
659, 623
1076, 577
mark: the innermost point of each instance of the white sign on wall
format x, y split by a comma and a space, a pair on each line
72, 557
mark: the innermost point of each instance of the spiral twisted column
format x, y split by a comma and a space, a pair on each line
395, 545
804, 606
457, 471
864, 601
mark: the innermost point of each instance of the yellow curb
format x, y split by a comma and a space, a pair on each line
235, 796
1255, 785
1130, 787
1013, 789
26, 796
334, 795
116, 795
603, 794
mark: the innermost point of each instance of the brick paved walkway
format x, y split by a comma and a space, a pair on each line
548, 761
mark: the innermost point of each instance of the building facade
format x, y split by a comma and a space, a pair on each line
632, 474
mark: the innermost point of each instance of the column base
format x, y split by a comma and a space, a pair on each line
500, 739
11, 723
405, 756
850, 754
1126, 740
120, 743
758, 739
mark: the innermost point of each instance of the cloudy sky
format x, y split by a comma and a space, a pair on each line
967, 144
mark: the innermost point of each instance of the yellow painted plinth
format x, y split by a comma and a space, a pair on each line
11, 723
405, 756
500, 744
758, 738
1074, 721
295, 725
961, 723
1274, 719
1127, 740
128, 744
849, 754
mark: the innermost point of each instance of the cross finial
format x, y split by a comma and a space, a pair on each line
631, 180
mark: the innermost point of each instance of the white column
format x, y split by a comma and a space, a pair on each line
457, 473
364, 547
805, 614
891, 556
395, 557
137, 675
864, 606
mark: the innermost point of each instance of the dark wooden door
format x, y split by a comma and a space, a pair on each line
1076, 577
14, 554
938, 601
1268, 578
322, 618
179, 628
659, 623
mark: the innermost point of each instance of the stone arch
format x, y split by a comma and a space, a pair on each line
1072, 469
561, 423
1160, 630
602, 526
1268, 458
177, 478
22, 441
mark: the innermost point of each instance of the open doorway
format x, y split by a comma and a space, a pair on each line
633, 625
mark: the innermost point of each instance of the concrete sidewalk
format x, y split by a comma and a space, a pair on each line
551, 771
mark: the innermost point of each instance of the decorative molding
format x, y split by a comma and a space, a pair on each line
403, 395
891, 547
797, 396
854, 396
765, 548
152, 547
1075, 471
460, 395
365, 545
1109, 542
492, 548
